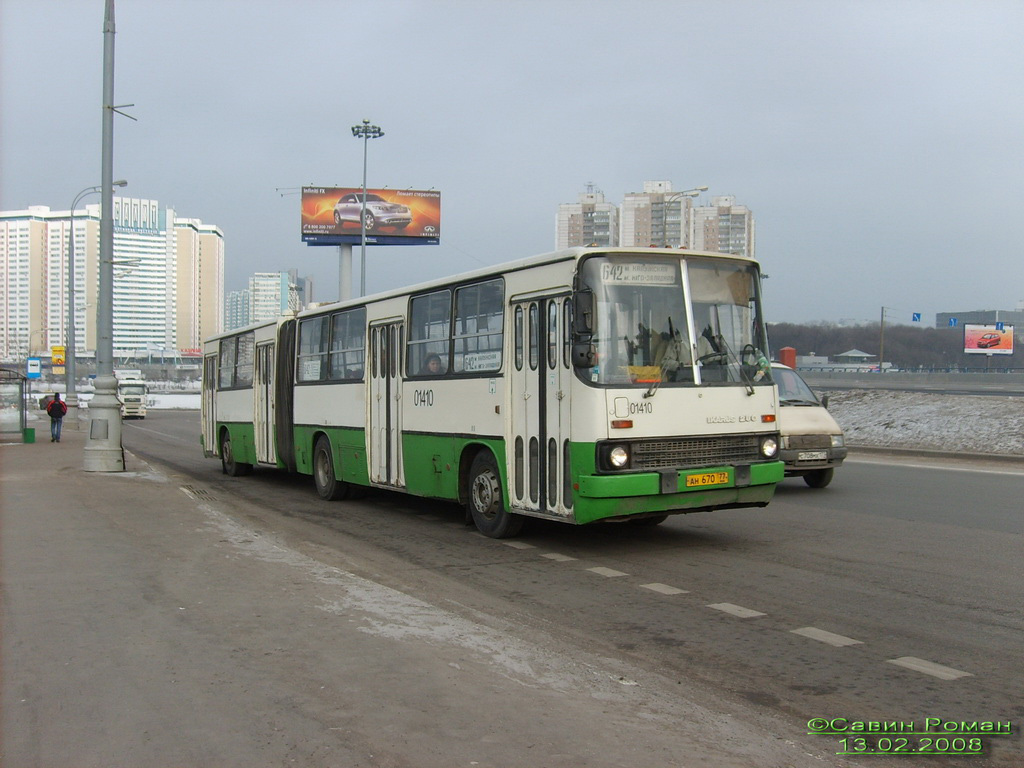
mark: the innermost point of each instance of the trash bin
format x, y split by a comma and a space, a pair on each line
29, 435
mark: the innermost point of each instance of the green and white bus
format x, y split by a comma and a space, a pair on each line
588, 384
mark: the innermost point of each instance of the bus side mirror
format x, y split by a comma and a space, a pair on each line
584, 355
583, 312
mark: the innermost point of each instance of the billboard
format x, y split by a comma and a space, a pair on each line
332, 215
988, 339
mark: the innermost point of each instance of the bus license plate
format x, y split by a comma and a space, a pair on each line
812, 456
707, 478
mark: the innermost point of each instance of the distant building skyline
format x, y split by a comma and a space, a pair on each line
168, 279
656, 217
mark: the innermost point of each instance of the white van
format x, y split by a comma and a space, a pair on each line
812, 442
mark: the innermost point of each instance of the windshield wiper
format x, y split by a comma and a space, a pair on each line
739, 364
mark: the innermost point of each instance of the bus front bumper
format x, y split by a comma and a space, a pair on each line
626, 495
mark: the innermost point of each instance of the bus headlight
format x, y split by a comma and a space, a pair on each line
769, 447
618, 457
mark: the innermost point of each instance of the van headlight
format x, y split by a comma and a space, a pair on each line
618, 457
837, 441
769, 447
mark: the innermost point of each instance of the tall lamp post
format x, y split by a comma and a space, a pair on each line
71, 394
364, 132
671, 198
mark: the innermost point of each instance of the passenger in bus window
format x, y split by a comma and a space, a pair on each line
432, 366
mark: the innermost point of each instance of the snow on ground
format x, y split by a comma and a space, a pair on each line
924, 420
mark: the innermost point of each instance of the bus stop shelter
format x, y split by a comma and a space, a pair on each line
13, 412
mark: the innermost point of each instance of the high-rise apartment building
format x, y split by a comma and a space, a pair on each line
269, 295
236, 310
656, 217
723, 227
590, 221
168, 279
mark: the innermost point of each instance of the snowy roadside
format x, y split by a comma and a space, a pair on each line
927, 421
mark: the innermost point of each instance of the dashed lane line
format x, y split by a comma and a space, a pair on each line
609, 572
557, 557
664, 589
929, 668
737, 610
821, 635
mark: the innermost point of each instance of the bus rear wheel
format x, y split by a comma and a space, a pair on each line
328, 486
486, 502
228, 464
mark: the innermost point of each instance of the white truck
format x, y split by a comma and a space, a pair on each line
131, 391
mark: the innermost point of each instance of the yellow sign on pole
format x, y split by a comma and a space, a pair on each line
56, 356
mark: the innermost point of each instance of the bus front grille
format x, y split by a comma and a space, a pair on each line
685, 453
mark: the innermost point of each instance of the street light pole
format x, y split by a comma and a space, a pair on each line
671, 198
365, 132
103, 449
71, 394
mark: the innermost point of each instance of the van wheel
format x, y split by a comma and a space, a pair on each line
819, 478
486, 502
328, 486
228, 464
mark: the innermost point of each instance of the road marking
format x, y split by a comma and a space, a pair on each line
518, 545
189, 441
664, 589
611, 574
826, 637
558, 557
929, 668
888, 461
736, 610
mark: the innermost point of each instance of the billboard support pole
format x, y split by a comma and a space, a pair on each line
345, 272
364, 132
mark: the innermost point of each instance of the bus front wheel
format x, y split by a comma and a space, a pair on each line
229, 465
328, 486
486, 501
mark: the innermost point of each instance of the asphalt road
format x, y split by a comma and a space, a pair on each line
895, 594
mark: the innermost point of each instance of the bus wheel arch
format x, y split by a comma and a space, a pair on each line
485, 497
229, 465
328, 486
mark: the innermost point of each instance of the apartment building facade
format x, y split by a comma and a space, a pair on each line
168, 279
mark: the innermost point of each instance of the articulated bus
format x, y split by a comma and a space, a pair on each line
589, 384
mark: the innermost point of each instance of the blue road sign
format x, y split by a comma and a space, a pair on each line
999, 326
952, 322
916, 317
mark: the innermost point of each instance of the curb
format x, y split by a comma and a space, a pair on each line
934, 454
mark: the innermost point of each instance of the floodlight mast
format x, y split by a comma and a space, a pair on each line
365, 132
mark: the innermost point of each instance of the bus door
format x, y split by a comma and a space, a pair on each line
384, 441
208, 406
266, 451
539, 439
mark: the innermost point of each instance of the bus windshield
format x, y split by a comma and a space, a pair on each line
684, 321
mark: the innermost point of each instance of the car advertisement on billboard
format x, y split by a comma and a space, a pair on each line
335, 216
988, 339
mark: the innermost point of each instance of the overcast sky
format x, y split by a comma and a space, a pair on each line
879, 144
